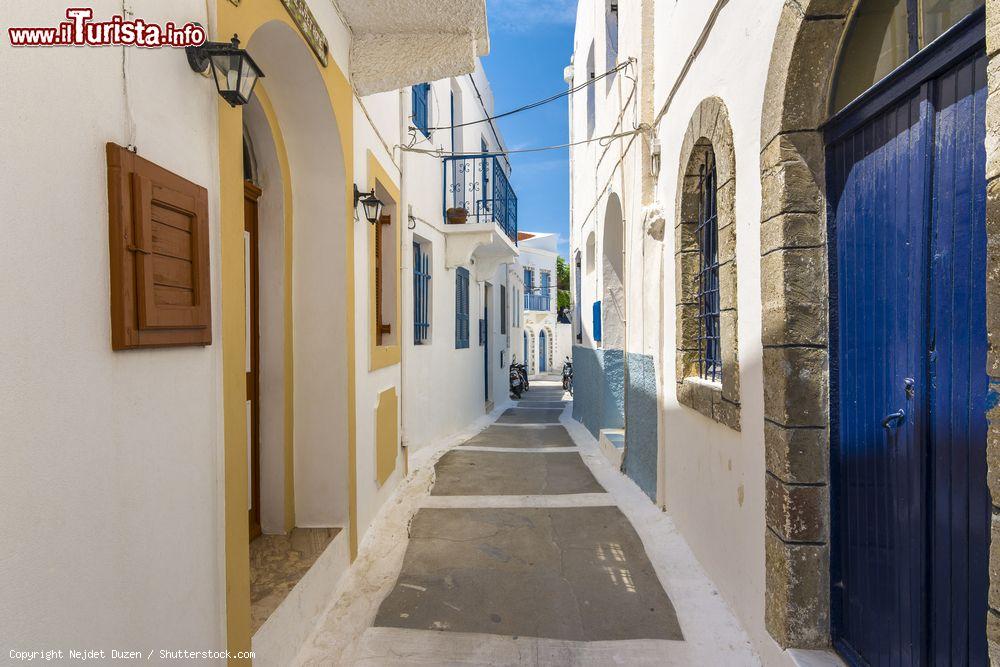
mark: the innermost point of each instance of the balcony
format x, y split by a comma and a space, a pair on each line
480, 212
540, 302
479, 186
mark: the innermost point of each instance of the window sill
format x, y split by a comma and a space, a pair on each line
706, 397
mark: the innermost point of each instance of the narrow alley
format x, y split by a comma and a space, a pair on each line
500, 332
521, 545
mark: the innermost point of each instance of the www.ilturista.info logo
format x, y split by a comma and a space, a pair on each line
80, 30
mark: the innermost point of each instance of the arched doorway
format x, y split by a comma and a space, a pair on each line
542, 352
863, 166
296, 129
613, 277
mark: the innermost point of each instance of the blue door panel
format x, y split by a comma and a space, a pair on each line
960, 579
910, 507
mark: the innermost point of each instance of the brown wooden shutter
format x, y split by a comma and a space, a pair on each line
381, 328
158, 232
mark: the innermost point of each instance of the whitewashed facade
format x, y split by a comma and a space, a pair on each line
741, 461
129, 473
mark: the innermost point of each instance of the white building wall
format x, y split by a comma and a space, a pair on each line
711, 477
538, 253
444, 386
111, 483
113, 477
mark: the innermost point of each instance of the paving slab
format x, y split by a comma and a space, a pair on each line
529, 416
578, 574
555, 405
543, 393
479, 473
527, 438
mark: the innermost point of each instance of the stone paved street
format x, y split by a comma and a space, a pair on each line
521, 545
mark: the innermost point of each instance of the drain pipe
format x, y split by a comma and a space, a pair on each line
403, 234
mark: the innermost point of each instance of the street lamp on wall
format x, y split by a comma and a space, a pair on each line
233, 69
371, 204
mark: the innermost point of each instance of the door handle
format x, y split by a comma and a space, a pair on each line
895, 419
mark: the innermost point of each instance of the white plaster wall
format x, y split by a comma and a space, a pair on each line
111, 480
713, 477
384, 109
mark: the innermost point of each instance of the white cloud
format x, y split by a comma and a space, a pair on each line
521, 15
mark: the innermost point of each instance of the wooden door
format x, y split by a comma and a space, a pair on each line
251, 194
910, 507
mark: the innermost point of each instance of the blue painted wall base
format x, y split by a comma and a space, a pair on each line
599, 403
641, 441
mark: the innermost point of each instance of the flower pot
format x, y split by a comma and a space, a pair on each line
456, 216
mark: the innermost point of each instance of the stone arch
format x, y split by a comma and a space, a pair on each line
795, 306
708, 141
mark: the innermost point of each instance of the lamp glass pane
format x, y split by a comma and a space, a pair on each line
248, 77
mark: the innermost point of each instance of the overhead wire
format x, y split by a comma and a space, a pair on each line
604, 141
538, 103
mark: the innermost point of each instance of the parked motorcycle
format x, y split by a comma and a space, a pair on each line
567, 376
516, 384
523, 370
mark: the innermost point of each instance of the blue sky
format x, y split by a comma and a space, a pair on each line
530, 44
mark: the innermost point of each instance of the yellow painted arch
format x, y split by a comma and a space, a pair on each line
244, 20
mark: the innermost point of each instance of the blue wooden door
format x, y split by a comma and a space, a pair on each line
910, 508
541, 352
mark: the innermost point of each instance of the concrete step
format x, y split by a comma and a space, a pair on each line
612, 442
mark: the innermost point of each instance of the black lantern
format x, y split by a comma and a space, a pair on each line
234, 70
371, 204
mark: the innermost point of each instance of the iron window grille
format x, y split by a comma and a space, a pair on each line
461, 308
421, 295
709, 347
421, 114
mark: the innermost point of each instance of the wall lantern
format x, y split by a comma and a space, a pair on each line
371, 204
234, 70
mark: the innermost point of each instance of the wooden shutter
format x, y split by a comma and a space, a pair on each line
381, 328
158, 234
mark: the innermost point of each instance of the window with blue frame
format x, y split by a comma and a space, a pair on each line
545, 292
421, 107
461, 308
421, 294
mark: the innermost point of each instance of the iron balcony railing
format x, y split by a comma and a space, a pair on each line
537, 302
478, 185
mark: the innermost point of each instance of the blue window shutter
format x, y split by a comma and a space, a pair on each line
421, 295
597, 321
461, 308
421, 93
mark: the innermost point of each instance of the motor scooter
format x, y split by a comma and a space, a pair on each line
516, 384
567, 376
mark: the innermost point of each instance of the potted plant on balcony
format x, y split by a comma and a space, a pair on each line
456, 216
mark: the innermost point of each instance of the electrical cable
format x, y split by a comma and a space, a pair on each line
538, 103
439, 152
